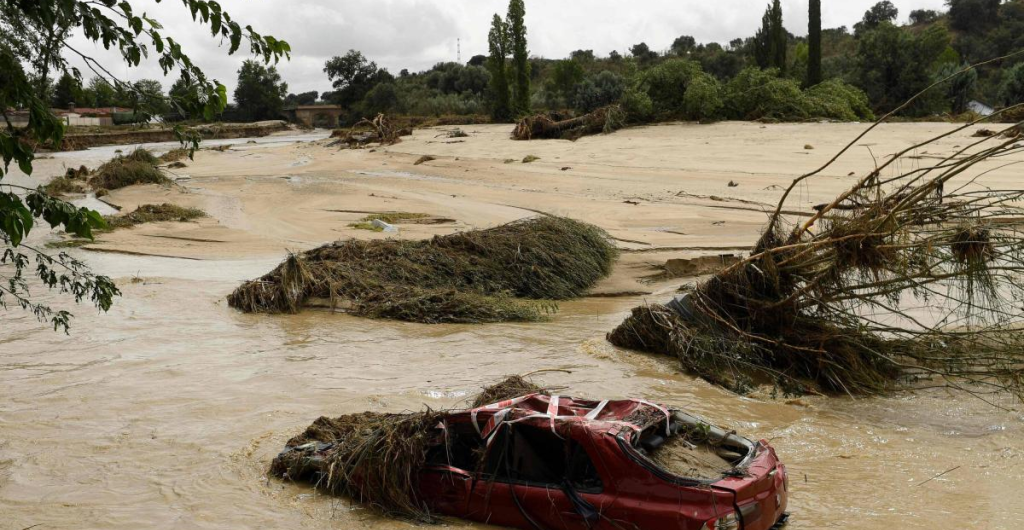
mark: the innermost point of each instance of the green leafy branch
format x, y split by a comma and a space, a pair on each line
40, 37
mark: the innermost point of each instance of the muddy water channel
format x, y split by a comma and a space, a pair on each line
165, 412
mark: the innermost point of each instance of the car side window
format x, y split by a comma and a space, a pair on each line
539, 457
525, 454
462, 449
582, 473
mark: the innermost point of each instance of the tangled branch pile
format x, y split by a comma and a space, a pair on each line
375, 458
387, 133
372, 458
541, 126
478, 276
914, 274
380, 129
512, 386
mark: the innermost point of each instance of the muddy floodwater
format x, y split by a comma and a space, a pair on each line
166, 411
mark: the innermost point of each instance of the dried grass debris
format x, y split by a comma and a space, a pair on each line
154, 213
375, 458
63, 186
511, 272
511, 387
372, 458
137, 167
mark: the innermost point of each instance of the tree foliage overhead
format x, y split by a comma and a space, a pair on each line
34, 51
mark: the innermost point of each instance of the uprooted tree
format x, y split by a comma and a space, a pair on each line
913, 276
543, 126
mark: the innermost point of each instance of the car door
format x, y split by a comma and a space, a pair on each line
446, 480
446, 489
528, 482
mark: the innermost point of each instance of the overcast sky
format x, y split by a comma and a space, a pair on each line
416, 34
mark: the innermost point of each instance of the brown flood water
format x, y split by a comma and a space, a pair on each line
165, 412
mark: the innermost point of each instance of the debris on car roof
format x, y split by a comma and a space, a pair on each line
529, 460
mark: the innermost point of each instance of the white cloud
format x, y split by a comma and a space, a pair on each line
415, 34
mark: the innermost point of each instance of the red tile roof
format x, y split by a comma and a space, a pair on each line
98, 111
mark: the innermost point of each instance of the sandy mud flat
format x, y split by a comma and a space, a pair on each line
167, 411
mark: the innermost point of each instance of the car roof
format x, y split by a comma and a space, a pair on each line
561, 412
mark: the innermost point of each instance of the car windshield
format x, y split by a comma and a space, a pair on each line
692, 448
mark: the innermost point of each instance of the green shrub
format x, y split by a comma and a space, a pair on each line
666, 84
382, 98
599, 91
419, 104
703, 99
637, 105
837, 100
757, 94
1011, 91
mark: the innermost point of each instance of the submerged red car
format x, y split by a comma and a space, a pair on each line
541, 462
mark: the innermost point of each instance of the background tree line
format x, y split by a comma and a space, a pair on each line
870, 68
838, 73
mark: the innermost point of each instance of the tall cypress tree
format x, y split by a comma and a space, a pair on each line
520, 57
501, 100
778, 37
814, 44
762, 41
